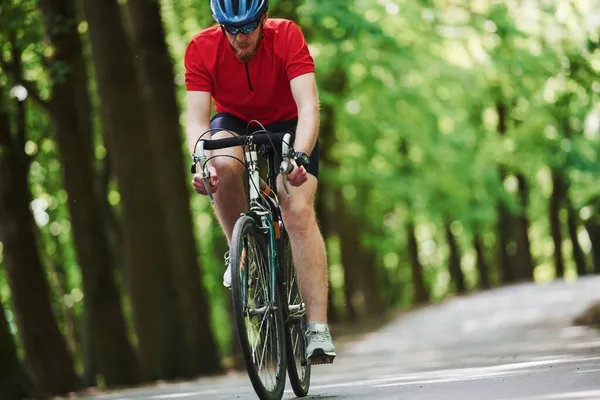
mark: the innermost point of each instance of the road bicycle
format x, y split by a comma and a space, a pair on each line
269, 312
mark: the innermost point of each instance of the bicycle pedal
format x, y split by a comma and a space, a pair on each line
319, 357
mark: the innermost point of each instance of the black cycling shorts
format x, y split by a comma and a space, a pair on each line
232, 123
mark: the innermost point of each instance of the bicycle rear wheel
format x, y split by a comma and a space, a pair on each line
296, 324
259, 324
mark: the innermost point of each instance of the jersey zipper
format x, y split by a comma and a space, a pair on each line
248, 77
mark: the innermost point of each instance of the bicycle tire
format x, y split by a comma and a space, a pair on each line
244, 226
299, 369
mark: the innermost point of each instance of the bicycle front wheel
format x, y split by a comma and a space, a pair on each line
257, 310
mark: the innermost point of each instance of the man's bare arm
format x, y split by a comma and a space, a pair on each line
304, 90
198, 117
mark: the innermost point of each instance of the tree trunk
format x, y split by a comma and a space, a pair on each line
572, 224
360, 282
592, 226
420, 293
369, 268
218, 242
524, 258
507, 273
71, 114
14, 383
367, 265
61, 288
157, 76
573, 220
111, 218
46, 351
76, 334
233, 358
156, 314
327, 227
505, 219
350, 254
360, 287
333, 314
456, 274
556, 202
482, 266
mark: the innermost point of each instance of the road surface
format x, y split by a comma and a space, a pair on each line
514, 343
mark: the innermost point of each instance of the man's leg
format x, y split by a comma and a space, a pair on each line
230, 199
308, 247
230, 196
310, 261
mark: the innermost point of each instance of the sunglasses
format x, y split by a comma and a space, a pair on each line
245, 29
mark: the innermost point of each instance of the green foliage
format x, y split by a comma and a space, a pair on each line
432, 76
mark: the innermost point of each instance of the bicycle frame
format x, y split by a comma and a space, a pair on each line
271, 219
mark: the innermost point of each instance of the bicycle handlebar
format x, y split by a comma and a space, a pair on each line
267, 138
263, 138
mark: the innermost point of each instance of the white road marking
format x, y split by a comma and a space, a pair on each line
580, 395
181, 395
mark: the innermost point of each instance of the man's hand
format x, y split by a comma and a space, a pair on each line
198, 183
298, 176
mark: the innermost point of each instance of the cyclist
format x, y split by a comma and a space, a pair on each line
257, 68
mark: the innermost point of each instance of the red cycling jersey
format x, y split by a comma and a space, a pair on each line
261, 92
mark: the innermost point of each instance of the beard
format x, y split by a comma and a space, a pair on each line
246, 54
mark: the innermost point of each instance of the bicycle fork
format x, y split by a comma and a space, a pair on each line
267, 226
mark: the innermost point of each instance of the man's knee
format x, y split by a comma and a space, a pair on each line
298, 209
227, 162
226, 166
298, 217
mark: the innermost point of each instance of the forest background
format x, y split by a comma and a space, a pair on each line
459, 152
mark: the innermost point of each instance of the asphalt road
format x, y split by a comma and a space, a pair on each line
511, 343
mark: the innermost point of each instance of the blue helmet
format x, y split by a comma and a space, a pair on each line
237, 12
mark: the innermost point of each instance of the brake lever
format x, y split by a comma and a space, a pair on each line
286, 166
202, 159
